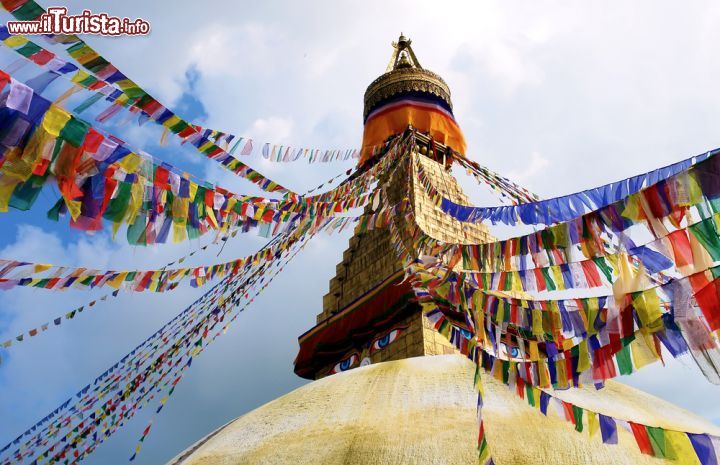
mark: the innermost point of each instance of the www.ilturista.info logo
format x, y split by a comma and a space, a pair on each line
57, 21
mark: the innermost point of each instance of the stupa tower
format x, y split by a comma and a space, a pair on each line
368, 314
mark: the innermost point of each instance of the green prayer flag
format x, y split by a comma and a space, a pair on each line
624, 361
87, 103
96, 64
25, 194
28, 11
74, 131
28, 49
54, 212
549, 283
118, 206
657, 441
578, 414
604, 267
706, 234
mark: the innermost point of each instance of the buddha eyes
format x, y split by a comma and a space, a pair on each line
507, 352
345, 364
382, 342
378, 344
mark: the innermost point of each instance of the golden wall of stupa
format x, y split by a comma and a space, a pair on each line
370, 257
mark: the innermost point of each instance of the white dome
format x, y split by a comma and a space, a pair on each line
422, 411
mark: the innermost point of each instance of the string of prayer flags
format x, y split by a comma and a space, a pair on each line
654, 441
15, 273
651, 440
683, 246
569, 207
81, 423
499, 183
102, 77
178, 374
55, 322
99, 178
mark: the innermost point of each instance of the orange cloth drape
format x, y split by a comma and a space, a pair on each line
425, 119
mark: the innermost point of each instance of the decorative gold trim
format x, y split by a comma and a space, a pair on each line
402, 80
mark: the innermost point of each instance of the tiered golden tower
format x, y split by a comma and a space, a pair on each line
368, 316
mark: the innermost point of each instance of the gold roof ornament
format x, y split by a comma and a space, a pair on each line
404, 74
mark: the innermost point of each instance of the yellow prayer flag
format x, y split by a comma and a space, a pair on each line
204, 146
543, 373
164, 136
6, 190
117, 281
679, 448
39, 268
74, 207
537, 327
192, 190
54, 120
562, 377
172, 121
584, 356
15, 41
211, 217
79, 76
136, 198
632, 209
593, 422
643, 349
130, 162
179, 231
534, 353
647, 306
557, 277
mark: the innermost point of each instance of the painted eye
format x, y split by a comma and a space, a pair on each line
509, 352
386, 340
345, 364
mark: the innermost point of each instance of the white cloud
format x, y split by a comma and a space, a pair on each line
529, 170
272, 128
231, 51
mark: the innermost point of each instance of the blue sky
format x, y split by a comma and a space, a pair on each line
556, 95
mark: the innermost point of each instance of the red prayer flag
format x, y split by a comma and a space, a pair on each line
161, 178
42, 57
97, 85
569, 414
681, 248
4, 79
520, 387
215, 152
592, 276
188, 131
12, 5
539, 279
642, 438
708, 298
603, 365
268, 216
92, 141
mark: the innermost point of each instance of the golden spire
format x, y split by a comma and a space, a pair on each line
404, 74
403, 55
